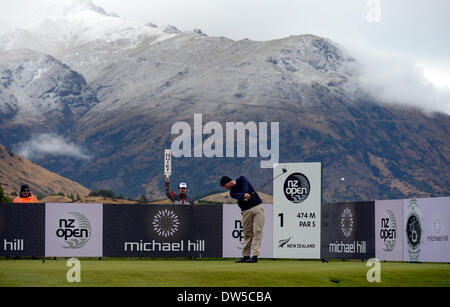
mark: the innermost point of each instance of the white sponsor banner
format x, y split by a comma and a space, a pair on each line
74, 230
389, 230
297, 210
427, 228
233, 233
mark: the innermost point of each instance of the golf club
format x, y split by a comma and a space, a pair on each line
284, 169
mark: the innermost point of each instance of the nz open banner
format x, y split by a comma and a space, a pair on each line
233, 233
348, 230
389, 230
297, 195
426, 229
22, 230
162, 231
73, 230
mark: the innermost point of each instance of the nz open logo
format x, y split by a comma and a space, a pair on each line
347, 222
76, 231
166, 223
297, 188
388, 232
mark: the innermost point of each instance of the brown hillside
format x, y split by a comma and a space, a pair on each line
109, 201
16, 170
88, 200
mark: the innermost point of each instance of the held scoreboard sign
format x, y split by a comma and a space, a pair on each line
297, 210
167, 162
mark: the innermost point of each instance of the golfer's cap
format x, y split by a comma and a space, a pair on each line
182, 185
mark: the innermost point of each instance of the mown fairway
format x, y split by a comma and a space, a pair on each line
219, 273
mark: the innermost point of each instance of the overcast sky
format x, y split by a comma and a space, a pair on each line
419, 29
415, 29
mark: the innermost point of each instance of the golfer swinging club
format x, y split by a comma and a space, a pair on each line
253, 218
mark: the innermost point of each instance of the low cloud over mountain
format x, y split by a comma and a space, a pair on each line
39, 146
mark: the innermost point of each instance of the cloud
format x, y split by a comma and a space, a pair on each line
50, 144
398, 80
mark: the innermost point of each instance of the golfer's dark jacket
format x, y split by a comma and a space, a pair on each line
244, 187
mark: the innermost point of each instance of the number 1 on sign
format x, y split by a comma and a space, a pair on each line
281, 215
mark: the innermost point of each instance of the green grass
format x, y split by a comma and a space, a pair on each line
219, 273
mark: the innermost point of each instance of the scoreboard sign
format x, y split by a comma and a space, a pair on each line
297, 210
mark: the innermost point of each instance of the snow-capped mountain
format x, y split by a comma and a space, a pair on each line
73, 7
118, 86
35, 86
70, 24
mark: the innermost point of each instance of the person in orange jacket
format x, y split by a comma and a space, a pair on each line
25, 196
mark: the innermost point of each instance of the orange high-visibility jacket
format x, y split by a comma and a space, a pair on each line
26, 200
